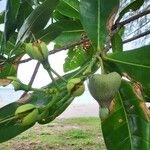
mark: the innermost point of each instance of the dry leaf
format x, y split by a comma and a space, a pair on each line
4, 82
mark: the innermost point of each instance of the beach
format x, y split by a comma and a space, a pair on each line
80, 110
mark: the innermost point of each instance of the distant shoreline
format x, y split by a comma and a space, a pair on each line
77, 110
83, 106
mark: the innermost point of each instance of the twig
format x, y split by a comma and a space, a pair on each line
32, 78
137, 37
63, 79
129, 40
59, 49
68, 46
146, 12
117, 26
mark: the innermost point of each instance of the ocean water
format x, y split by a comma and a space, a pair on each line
9, 95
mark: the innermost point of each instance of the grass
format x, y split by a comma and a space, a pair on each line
61, 134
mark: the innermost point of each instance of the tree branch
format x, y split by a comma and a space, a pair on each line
79, 42
33, 77
137, 37
146, 12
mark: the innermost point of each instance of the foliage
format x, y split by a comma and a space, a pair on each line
88, 30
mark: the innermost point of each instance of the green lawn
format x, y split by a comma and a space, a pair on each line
61, 134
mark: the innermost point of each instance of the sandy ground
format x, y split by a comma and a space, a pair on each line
80, 110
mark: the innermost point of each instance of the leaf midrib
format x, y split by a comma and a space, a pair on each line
98, 26
127, 63
29, 27
126, 117
71, 6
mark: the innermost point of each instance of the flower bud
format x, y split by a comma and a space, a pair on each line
37, 50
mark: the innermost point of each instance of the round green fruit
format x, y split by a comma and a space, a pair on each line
31, 118
24, 108
104, 87
37, 50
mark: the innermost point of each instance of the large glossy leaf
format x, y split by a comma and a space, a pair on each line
96, 19
128, 125
10, 128
37, 19
76, 57
12, 8
57, 29
58, 16
49, 34
135, 63
69, 8
71, 31
24, 11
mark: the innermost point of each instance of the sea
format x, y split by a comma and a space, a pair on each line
8, 95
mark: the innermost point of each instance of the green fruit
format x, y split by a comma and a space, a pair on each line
31, 118
75, 87
104, 87
24, 109
79, 91
103, 113
37, 50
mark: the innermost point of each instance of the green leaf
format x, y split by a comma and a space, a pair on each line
132, 6
71, 31
49, 34
58, 28
95, 17
9, 129
24, 11
36, 20
2, 14
135, 63
76, 57
11, 45
128, 125
67, 38
12, 8
69, 8
116, 41
8, 70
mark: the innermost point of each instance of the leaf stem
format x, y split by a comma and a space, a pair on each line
8, 119
59, 76
102, 66
47, 67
